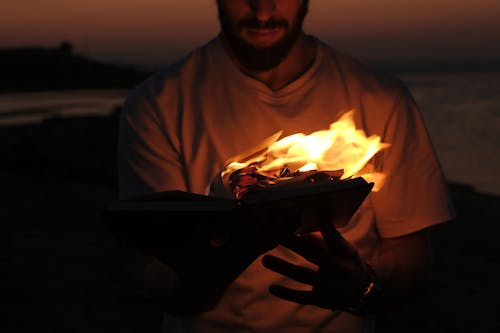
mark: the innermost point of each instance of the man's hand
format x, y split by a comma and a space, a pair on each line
340, 280
216, 253
225, 247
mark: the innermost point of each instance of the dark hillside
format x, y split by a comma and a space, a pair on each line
38, 69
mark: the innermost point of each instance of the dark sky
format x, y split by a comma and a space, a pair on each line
153, 32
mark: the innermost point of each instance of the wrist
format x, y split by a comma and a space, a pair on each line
369, 297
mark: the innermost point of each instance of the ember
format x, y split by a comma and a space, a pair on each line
342, 149
246, 178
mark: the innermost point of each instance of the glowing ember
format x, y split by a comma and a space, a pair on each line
341, 147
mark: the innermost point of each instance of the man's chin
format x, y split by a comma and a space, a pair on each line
261, 54
263, 59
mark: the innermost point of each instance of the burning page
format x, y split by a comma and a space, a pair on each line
338, 153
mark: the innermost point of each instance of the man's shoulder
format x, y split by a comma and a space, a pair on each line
359, 73
183, 68
193, 60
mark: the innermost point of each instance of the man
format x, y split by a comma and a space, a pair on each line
262, 74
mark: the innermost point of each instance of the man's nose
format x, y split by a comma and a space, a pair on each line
263, 9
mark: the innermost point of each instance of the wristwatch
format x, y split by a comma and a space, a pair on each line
370, 296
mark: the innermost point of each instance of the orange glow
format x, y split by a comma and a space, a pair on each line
341, 147
160, 31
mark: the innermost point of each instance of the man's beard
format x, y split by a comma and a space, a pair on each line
262, 58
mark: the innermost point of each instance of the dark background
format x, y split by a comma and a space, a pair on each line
63, 270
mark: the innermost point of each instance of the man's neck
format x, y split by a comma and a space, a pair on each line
299, 59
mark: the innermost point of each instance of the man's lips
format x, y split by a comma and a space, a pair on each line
264, 34
263, 31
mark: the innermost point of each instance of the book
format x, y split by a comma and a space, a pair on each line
173, 216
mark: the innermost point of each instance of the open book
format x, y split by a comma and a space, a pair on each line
171, 216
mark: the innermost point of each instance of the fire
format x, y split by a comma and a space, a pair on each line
341, 147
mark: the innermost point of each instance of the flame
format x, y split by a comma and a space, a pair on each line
341, 147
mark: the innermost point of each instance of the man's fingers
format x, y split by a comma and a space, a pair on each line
304, 246
297, 296
297, 273
335, 242
331, 236
345, 258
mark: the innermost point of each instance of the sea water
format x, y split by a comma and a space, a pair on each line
462, 114
31, 107
461, 111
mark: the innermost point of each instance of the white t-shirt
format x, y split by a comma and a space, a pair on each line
181, 125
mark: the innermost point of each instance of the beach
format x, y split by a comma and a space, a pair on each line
67, 273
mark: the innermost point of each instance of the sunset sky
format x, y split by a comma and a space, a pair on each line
155, 32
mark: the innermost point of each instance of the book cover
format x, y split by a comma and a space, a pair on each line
172, 216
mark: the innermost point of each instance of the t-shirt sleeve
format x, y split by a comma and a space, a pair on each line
415, 194
148, 150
